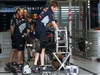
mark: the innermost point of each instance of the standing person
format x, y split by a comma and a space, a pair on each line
44, 18
17, 39
14, 52
20, 41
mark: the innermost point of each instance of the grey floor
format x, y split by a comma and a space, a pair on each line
92, 67
85, 67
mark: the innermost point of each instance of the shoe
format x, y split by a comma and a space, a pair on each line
35, 68
14, 64
7, 69
10, 69
9, 64
19, 68
43, 68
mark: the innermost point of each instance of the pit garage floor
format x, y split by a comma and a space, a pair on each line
86, 67
92, 67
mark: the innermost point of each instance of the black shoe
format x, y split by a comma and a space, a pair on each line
14, 64
43, 68
9, 64
35, 68
13, 70
7, 69
19, 68
10, 69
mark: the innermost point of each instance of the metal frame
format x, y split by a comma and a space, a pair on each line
58, 41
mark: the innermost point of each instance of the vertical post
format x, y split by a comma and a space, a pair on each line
99, 13
75, 24
89, 15
80, 19
86, 19
0, 49
70, 27
86, 25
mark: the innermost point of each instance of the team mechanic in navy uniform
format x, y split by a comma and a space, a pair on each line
18, 26
46, 16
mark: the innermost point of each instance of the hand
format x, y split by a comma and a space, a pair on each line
56, 28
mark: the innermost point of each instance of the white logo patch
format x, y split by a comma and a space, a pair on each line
45, 20
22, 27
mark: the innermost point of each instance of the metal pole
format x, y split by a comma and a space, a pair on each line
86, 19
70, 27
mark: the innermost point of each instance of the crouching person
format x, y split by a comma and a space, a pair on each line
44, 18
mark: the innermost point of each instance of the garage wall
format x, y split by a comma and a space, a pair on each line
5, 42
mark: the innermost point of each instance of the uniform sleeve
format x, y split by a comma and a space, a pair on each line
51, 17
12, 21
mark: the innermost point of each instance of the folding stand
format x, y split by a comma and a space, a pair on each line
61, 38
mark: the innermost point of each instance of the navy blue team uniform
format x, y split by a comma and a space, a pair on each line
14, 22
41, 34
17, 39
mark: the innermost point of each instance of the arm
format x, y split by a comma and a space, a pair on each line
12, 25
11, 29
55, 24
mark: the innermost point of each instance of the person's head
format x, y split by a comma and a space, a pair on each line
54, 5
25, 12
19, 12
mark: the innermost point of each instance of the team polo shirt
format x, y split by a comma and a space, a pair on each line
45, 17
